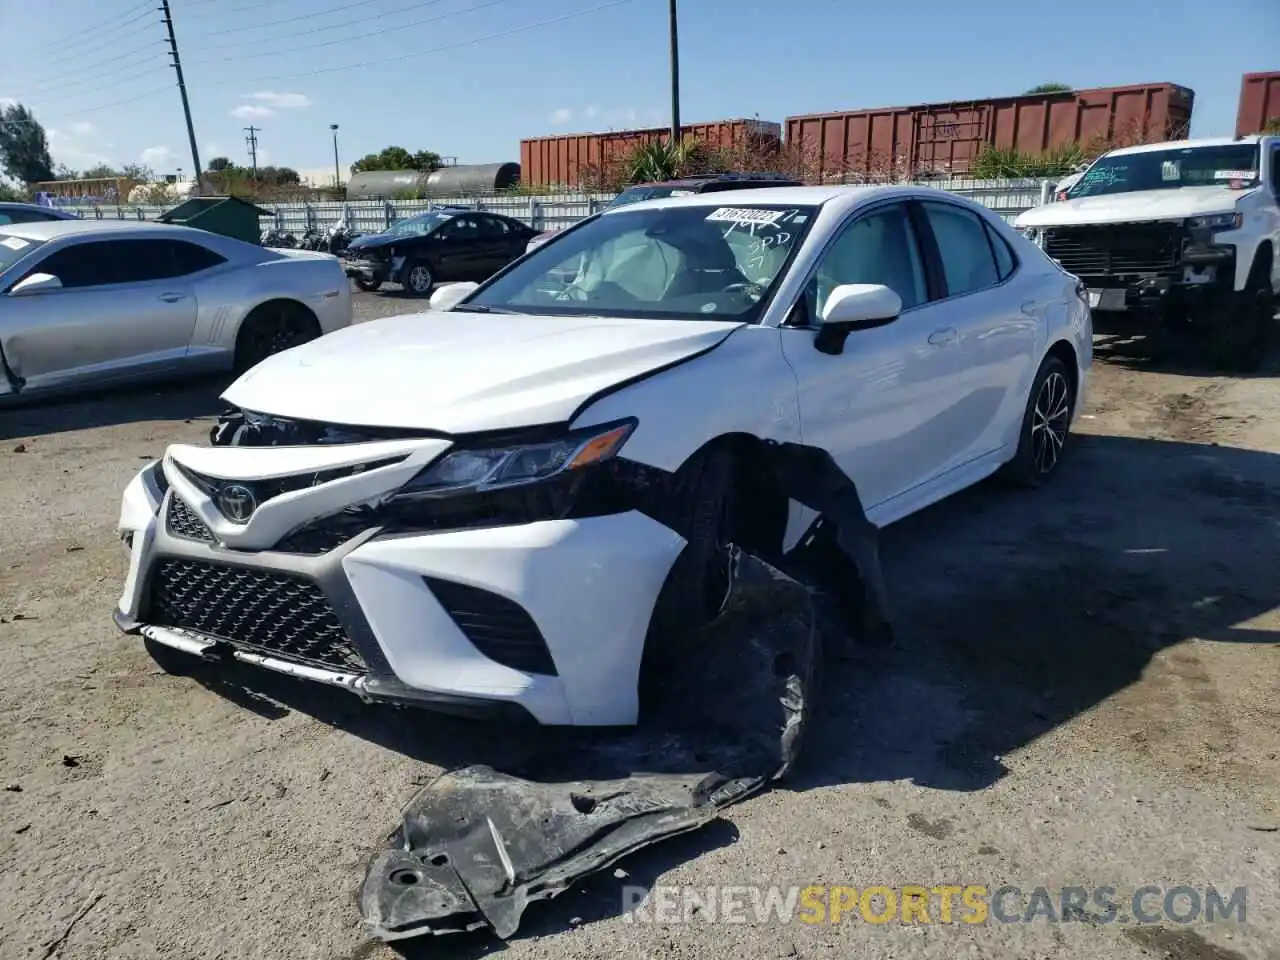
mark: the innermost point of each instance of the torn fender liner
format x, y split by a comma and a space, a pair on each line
477, 845
841, 534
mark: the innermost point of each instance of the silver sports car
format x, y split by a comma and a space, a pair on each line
88, 303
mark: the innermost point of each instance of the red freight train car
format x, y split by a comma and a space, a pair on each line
1259, 102
558, 160
946, 137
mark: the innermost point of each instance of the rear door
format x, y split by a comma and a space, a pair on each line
504, 241
996, 327
457, 250
123, 310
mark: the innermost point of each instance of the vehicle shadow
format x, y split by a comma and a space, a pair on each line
177, 399
1017, 611
1144, 346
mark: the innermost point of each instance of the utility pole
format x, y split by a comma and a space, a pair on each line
337, 172
182, 89
675, 76
252, 141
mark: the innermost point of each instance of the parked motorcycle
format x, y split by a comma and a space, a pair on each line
275, 237
339, 236
314, 239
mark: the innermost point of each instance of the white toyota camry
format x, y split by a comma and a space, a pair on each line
507, 502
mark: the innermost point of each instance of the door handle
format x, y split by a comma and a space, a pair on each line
941, 338
172, 297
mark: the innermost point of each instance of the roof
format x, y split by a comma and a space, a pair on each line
1185, 144
769, 196
55, 229
54, 211
700, 178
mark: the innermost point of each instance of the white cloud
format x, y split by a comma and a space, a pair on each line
158, 158
561, 117
282, 101
249, 111
8, 102
83, 129
591, 112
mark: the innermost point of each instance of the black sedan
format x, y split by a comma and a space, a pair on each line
440, 245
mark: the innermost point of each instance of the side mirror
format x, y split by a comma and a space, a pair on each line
450, 295
36, 283
855, 306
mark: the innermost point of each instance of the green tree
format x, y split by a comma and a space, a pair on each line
24, 148
397, 158
11, 193
1271, 126
1051, 87
219, 164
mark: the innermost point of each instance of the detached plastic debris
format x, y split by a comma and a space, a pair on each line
476, 846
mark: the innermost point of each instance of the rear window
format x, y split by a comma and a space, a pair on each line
13, 249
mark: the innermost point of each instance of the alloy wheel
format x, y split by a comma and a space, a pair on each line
1050, 420
419, 279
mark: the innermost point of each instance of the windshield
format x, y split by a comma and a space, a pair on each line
675, 262
13, 249
1233, 165
420, 225
636, 194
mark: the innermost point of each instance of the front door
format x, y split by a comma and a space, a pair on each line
881, 407
120, 311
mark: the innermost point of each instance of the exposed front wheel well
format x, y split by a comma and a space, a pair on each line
759, 513
1261, 267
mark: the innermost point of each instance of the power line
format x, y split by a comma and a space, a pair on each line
57, 78
142, 10
347, 38
525, 28
64, 91
98, 108
140, 30
336, 26
279, 23
224, 11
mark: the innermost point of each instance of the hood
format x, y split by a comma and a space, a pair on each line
462, 372
1177, 204
368, 240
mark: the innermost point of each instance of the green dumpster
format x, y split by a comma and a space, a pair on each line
227, 216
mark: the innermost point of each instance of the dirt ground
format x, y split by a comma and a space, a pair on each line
1086, 692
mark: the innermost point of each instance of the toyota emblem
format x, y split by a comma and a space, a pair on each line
237, 502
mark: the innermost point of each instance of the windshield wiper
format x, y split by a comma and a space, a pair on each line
482, 308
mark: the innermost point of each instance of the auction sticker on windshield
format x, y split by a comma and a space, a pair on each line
744, 215
1234, 174
14, 243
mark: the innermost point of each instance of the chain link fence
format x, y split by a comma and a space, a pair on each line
1008, 197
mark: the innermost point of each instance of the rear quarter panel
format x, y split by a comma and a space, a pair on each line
225, 297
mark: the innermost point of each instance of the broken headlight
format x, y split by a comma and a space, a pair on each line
479, 470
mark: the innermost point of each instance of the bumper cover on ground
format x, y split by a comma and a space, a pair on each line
477, 845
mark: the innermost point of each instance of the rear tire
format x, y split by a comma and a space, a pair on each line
271, 328
1046, 425
368, 286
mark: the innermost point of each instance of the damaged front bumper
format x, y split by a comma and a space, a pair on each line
472, 621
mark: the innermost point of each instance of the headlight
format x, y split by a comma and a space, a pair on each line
1217, 221
495, 468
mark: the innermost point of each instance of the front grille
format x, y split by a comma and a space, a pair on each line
499, 628
270, 612
181, 521
1126, 249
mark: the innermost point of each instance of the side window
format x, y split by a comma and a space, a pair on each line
192, 258
967, 261
5, 218
460, 228
107, 262
493, 227
1005, 261
878, 247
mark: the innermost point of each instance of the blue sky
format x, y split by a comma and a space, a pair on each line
441, 77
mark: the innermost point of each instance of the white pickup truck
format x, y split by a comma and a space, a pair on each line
1184, 233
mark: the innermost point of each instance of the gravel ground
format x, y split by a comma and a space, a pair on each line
1085, 693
